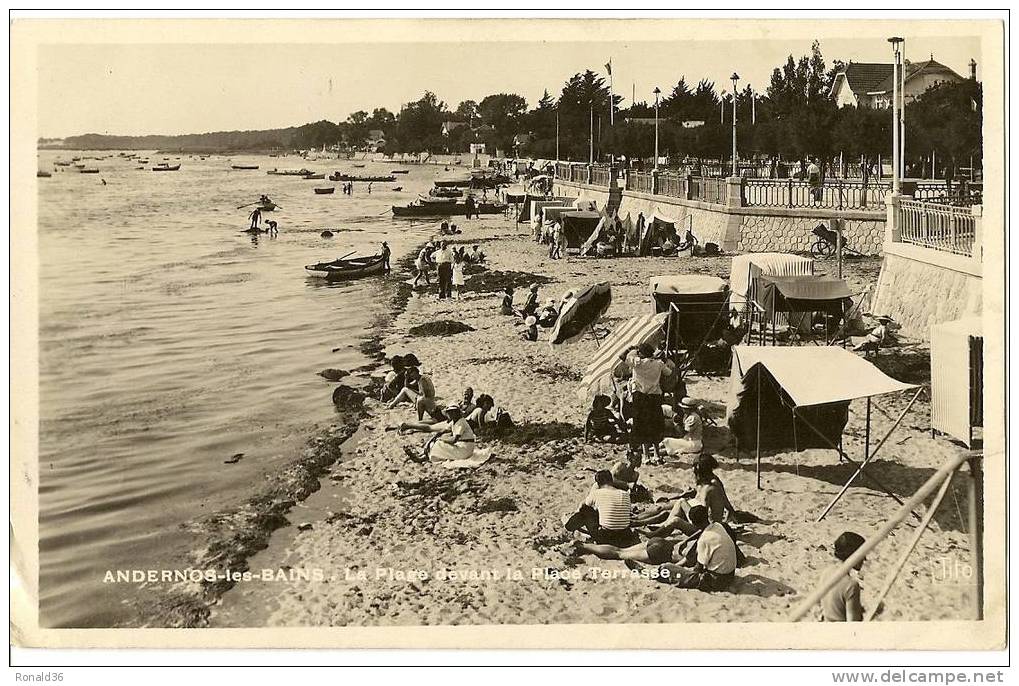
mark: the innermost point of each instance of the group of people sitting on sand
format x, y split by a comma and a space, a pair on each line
531, 314
455, 427
689, 537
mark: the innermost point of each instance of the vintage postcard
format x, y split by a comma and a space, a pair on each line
508, 333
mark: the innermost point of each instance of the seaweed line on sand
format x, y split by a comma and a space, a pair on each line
233, 535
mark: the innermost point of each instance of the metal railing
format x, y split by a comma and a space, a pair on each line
939, 227
672, 185
578, 173
601, 175
639, 182
562, 170
833, 194
706, 189
961, 194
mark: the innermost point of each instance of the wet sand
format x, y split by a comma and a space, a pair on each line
490, 542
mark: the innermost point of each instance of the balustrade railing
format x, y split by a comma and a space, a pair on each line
945, 228
833, 194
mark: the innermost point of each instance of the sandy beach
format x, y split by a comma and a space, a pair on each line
388, 541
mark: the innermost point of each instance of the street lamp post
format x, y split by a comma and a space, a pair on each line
735, 169
556, 134
657, 93
896, 121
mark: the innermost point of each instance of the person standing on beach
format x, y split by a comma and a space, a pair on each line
255, 217
469, 206
444, 264
459, 280
646, 372
421, 264
386, 252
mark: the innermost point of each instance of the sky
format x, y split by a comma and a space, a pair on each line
173, 88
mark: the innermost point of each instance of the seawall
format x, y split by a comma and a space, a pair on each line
745, 229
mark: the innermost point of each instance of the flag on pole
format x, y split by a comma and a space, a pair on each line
608, 66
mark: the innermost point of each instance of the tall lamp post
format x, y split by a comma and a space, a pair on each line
734, 78
657, 93
896, 120
557, 133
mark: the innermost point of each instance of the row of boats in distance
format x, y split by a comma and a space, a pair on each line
444, 199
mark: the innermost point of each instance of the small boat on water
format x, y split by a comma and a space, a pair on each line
400, 171
289, 172
347, 268
337, 176
62, 163
243, 167
357, 166
79, 165
325, 191
436, 200
89, 170
266, 206
445, 209
166, 167
42, 174
314, 177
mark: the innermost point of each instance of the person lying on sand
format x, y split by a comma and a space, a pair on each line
656, 551
708, 492
605, 513
717, 558
603, 424
842, 602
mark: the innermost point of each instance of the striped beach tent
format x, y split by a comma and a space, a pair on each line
598, 376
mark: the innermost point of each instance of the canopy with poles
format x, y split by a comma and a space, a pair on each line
698, 307
746, 268
793, 398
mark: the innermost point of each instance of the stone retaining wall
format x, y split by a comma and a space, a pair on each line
920, 289
744, 229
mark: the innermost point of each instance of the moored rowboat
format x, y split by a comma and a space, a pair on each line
347, 268
166, 167
325, 191
243, 167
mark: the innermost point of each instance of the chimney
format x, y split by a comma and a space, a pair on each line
972, 69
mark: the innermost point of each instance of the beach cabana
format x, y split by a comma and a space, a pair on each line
577, 227
794, 398
697, 307
598, 375
531, 210
797, 298
746, 268
957, 378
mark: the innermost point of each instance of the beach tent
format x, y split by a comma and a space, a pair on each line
588, 247
550, 213
577, 226
533, 209
957, 378
579, 313
746, 268
793, 398
635, 331
515, 195
630, 237
697, 307
798, 297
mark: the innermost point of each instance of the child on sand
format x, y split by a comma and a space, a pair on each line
602, 423
507, 302
842, 602
531, 332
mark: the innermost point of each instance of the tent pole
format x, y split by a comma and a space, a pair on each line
758, 429
928, 516
976, 529
946, 469
866, 435
870, 457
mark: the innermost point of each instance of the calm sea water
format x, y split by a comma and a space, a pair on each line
170, 341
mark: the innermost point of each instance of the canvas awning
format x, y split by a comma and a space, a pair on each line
577, 226
815, 375
686, 284
802, 294
631, 332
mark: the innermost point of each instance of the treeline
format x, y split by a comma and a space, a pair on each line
793, 118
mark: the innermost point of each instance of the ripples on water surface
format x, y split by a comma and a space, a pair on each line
169, 341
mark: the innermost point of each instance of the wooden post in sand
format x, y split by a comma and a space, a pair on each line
976, 529
944, 472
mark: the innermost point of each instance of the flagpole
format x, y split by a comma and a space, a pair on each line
612, 98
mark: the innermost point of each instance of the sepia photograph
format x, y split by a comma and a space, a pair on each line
508, 333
